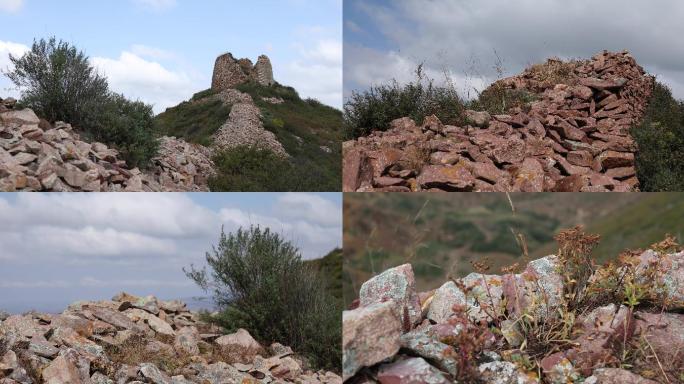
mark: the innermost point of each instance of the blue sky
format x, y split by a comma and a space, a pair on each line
162, 51
58, 248
387, 39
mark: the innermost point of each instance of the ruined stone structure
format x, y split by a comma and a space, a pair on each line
229, 72
573, 137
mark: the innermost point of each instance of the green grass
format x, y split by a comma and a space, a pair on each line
645, 222
660, 137
195, 121
313, 123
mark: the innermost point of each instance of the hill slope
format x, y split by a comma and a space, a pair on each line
306, 132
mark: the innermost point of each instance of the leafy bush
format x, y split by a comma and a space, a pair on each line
194, 121
660, 137
261, 284
59, 83
374, 109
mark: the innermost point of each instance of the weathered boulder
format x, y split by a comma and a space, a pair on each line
443, 302
370, 334
396, 285
242, 343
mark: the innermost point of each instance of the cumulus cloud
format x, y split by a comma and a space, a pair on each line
58, 246
459, 33
147, 80
11, 5
316, 71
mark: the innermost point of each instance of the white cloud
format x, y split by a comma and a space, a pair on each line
11, 5
316, 70
452, 32
146, 80
158, 214
156, 5
7, 89
310, 207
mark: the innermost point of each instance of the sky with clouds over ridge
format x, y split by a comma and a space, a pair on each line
163, 51
58, 248
386, 39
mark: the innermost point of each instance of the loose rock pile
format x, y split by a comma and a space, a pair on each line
575, 137
36, 156
244, 125
396, 335
170, 345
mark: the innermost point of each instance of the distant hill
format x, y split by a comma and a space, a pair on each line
441, 233
330, 267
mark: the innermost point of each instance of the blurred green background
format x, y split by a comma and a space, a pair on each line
439, 234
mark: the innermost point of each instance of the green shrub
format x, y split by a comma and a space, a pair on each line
194, 121
129, 125
261, 284
660, 138
255, 169
59, 83
374, 109
497, 100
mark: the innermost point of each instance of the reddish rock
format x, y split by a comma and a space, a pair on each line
612, 159
455, 177
370, 335
621, 173
509, 151
616, 376
432, 123
573, 183
530, 176
403, 124
580, 158
413, 370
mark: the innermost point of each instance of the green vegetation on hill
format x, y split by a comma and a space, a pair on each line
330, 267
253, 169
373, 109
660, 137
195, 120
302, 127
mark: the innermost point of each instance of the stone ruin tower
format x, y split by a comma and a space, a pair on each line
229, 72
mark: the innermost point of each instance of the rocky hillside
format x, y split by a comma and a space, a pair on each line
246, 107
570, 133
36, 155
526, 327
139, 340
